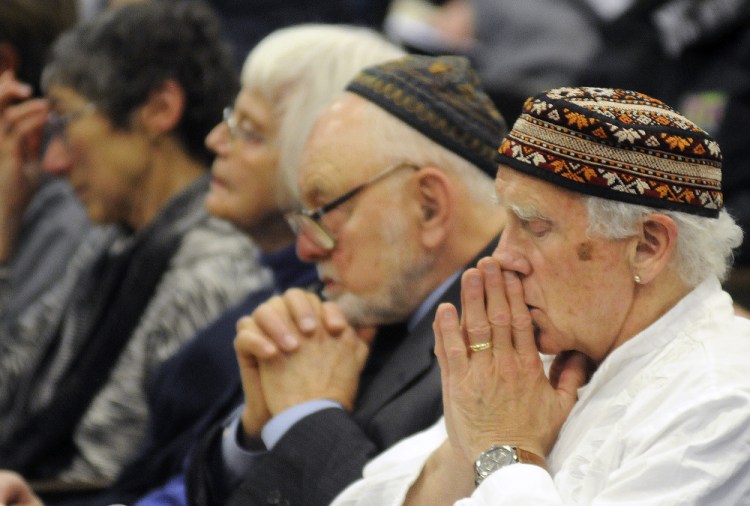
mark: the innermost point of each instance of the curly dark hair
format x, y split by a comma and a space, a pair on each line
119, 58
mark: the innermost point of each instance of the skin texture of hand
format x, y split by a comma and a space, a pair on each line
20, 141
500, 395
297, 323
255, 414
324, 366
445, 479
14, 491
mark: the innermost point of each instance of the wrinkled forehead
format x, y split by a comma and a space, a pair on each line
534, 195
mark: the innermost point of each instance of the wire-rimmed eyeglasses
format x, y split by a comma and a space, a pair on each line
237, 132
310, 221
57, 123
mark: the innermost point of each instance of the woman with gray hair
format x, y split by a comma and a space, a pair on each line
286, 81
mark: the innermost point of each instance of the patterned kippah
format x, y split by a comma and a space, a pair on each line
619, 145
440, 97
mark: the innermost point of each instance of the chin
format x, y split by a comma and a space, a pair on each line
357, 310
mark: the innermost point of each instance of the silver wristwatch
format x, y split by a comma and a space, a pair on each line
499, 456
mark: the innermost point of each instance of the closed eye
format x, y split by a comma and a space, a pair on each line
536, 227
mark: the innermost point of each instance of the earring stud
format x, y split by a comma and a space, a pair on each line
637, 279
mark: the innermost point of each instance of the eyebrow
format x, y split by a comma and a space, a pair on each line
318, 193
528, 212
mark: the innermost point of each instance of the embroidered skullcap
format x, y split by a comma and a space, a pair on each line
440, 97
618, 145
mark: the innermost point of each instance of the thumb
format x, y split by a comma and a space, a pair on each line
568, 374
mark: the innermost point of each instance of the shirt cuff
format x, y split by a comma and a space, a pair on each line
281, 423
237, 460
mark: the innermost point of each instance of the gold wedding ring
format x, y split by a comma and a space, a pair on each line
481, 346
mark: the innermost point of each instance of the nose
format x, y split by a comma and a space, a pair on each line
308, 250
57, 159
510, 255
218, 139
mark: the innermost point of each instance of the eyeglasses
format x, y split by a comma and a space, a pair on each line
310, 221
57, 123
236, 132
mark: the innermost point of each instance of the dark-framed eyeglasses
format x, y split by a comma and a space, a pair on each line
309, 221
57, 123
237, 132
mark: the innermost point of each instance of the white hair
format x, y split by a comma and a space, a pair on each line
402, 143
704, 245
300, 70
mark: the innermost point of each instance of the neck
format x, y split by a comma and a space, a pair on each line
651, 301
271, 234
171, 170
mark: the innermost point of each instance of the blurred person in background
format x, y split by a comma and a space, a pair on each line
41, 221
130, 97
287, 80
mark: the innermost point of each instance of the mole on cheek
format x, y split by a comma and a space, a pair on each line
584, 251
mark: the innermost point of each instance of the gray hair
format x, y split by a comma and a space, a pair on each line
119, 58
704, 245
300, 70
402, 143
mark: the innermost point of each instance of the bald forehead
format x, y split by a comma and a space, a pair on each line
343, 114
336, 155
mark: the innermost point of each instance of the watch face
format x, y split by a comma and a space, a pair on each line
493, 459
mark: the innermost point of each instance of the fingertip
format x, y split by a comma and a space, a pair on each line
268, 349
289, 342
307, 324
334, 318
24, 89
446, 314
509, 277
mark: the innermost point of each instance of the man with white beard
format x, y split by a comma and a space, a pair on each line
397, 180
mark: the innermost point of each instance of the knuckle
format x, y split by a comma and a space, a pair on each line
521, 320
478, 328
455, 349
499, 318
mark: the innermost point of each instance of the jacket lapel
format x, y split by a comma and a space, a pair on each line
412, 358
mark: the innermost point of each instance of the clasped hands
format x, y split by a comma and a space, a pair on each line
500, 393
295, 348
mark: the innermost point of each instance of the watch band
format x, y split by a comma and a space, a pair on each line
499, 456
525, 457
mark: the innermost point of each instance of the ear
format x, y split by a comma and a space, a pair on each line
654, 247
163, 110
436, 201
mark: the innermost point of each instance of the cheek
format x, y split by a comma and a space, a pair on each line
592, 279
357, 260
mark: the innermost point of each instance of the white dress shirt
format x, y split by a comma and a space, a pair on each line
664, 420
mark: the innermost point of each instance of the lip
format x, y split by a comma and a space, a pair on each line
330, 287
218, 181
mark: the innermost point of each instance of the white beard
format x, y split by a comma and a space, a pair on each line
394, 300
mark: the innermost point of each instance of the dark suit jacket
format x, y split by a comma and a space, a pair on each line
319, 456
